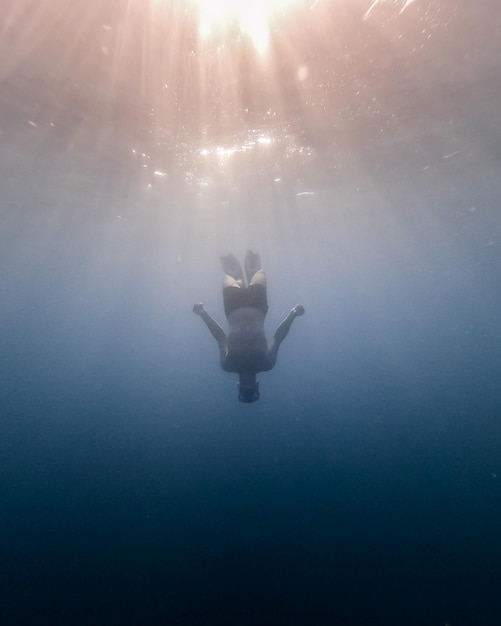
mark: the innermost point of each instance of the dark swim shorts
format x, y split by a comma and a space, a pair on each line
238, 297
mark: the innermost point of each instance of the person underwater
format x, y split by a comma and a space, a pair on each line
245, 350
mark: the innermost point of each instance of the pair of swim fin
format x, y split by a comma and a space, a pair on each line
232, 267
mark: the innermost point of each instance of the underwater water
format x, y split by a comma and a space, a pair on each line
362, 161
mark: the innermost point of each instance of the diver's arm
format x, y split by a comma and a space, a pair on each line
216, 331
282, 330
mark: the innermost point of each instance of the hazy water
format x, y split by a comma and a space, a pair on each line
363, 488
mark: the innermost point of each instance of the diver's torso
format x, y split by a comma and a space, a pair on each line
247, 349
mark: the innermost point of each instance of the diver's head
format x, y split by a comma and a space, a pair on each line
248, 388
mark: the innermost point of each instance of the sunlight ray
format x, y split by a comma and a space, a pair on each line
251, 19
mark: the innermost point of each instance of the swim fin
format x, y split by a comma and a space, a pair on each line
252, 264
232, 267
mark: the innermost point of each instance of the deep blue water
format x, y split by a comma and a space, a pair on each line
364, 487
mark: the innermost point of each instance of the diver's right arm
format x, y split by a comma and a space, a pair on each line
282, 330
216, 331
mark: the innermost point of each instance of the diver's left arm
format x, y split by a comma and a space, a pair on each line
282, 330
216, 331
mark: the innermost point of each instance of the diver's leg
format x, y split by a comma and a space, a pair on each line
232, 294
259, 278
252, 265
257, 297
229, 281
232, 267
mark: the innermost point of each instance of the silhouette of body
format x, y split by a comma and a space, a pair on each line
245, 350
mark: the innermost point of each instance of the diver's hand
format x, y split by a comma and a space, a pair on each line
297, 310
198, 309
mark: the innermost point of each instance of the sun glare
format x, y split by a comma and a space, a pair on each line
251, 17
